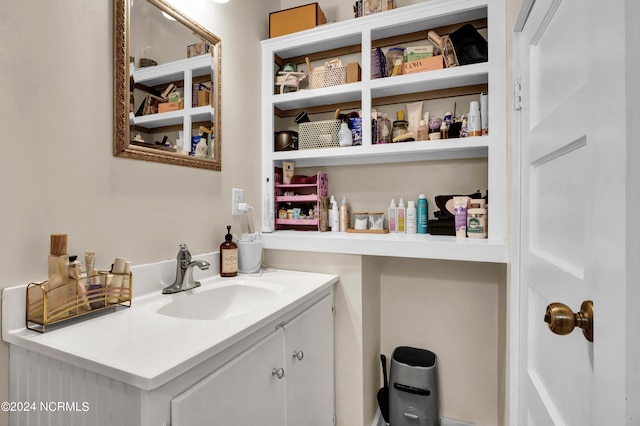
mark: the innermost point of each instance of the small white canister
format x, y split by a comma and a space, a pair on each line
249, 256
477, 223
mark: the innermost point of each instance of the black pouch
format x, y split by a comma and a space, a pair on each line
469, 45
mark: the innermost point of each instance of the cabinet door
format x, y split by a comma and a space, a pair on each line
243, 392
309, 365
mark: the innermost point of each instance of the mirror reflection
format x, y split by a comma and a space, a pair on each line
170, 108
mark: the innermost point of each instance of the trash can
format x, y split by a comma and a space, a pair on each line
413, 388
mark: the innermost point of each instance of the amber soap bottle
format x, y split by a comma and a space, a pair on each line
228, 256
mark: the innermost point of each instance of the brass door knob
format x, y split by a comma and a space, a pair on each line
562, 320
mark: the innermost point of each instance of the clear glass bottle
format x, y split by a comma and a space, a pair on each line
384, 129
228, 256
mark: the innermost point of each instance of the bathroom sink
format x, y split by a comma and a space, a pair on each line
219, 303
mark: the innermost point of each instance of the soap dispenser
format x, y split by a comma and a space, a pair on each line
228, 256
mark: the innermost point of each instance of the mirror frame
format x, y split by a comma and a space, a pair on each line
121, 129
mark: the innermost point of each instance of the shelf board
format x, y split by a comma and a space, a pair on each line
173, 71
301, 222
447, 78
171, 118
327, 95
392, 245
296, 198
475, 147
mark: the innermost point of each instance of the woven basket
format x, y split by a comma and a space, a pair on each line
318, 134
331, 77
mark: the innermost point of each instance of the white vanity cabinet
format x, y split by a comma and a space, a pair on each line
285, 379
239, 371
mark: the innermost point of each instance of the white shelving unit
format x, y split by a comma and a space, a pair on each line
182, 70
365, 33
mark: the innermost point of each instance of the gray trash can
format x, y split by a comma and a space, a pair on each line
413, 388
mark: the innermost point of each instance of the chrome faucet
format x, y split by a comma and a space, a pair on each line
184, 272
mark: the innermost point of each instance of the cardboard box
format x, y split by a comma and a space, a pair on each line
353, 72
426, 64
203, 98
295, 19
168, 106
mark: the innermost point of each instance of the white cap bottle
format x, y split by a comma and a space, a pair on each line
393, 227
401, 217
412, 221
335, 217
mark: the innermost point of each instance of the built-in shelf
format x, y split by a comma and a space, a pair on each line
416, 246
357, 38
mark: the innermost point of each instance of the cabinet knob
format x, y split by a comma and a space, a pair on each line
278, 372
298, 355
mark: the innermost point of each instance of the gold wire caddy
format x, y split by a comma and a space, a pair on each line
75, 298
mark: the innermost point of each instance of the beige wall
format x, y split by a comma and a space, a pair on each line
57, 174
57, 171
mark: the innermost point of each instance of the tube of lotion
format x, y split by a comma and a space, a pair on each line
414, 115
460, 205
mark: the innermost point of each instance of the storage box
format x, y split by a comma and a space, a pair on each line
426, 64
318, 134
295, 19
168, 106
415, 53
353, 72
328, 77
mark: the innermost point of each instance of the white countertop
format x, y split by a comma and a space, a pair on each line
140, 347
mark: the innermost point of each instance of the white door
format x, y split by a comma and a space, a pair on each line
572, 240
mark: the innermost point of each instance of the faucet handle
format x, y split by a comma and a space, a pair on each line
184, 256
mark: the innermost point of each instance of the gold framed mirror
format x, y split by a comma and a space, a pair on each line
167, 85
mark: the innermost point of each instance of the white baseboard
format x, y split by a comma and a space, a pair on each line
379, 421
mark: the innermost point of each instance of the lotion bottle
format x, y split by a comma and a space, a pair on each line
411, 217
344, 215
335, 217
228, 256
401, 216
393, 216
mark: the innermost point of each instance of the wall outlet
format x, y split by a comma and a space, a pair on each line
237, 197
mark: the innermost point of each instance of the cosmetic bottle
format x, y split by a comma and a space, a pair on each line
393, 216
384, 129
411, 218
344, 215
345, 137
401, 211
423, 131
58, 273
75, 275
423, 214
400, 126
228, 256
474, 124
335, 217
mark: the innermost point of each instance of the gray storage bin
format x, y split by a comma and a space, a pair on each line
413, 388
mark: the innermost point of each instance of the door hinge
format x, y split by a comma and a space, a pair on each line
517, 94
333, 309
334, 420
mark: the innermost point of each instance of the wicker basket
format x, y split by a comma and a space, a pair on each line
325, 78
318, 134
